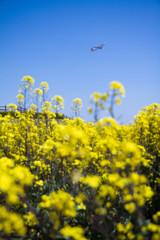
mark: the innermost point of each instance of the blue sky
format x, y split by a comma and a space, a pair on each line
50, 40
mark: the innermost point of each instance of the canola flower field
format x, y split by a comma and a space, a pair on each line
78, 180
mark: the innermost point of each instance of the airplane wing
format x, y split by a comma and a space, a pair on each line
102, 45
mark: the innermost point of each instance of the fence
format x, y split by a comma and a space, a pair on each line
6, 109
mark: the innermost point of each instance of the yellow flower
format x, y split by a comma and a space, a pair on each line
37, 91
104, 96
44, 86
81, 206
80, 198
118, 101
120, 227
156, 217
148, 193
117, 86
130, 207
28, 79
40, 182
96, 96
11, 222
61, 202
90, 110
114, 177
12, 107
152, 227
76, 233
30, 219
130, 235
23, 175
20, 97
156, 236
129, 226
92, 181
140, 237
34, 107
128, 198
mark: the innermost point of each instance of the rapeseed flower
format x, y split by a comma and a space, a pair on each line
30, 219
92, 181
76, 233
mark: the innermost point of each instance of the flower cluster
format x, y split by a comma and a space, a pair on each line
79, 180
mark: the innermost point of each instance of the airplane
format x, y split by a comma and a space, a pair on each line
98, 47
